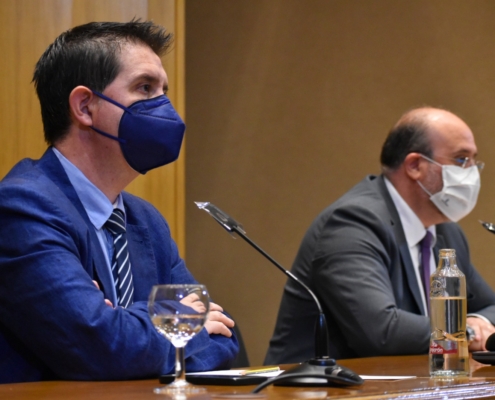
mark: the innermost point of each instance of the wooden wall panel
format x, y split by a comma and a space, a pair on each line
27, 27
108, 10
166, 187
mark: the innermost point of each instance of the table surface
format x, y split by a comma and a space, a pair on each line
481, 383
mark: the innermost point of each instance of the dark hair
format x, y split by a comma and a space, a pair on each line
86, 55
409, 135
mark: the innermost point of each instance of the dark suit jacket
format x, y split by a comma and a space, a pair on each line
355, 257
54, 323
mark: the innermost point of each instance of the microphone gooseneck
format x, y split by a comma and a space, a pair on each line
322, 365
321, 331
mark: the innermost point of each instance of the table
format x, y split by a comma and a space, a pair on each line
480, 384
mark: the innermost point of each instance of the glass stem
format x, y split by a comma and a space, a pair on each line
180, 366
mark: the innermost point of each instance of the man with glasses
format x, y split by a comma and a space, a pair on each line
369, 255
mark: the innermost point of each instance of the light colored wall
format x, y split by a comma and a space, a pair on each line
288, 104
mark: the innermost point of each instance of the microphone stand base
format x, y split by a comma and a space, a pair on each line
331, 373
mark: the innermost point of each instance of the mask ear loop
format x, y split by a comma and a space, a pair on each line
433, 162
422, 187
101, 95
120, 140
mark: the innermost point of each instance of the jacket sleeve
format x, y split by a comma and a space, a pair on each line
203, 352
53, 311
355, 256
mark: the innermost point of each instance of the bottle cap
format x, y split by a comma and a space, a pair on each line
447, 253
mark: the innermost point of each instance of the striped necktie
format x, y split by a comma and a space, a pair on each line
121, 265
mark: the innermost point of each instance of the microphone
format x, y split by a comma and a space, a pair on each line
321, 365
490, 342
490, 227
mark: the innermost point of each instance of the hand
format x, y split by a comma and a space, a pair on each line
217, 322
192, 300
482, 330
107, 302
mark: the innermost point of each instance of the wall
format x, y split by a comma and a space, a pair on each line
288, 104
27, 27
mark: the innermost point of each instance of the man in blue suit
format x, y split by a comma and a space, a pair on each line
63, 313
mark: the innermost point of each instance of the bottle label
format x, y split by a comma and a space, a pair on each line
447, 347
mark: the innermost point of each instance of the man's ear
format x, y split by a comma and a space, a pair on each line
414, 166
80, 100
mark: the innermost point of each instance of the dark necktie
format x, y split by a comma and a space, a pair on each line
121, 265
425, 265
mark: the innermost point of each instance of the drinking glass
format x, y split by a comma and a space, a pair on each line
179, 313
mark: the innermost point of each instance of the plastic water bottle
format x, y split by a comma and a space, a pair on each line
449, 354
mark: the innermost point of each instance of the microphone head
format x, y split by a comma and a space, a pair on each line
490, 342
488, 226
229, 223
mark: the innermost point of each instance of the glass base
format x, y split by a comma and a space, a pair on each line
449, 375
179, 387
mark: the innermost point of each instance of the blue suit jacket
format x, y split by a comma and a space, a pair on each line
54, 323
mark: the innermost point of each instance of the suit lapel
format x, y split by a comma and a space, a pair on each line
52, 167
412, 281
410, 273
143, 262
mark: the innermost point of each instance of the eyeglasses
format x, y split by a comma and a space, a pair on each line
463, 162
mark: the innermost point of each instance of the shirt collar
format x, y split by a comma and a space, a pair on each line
94, 201
411, 224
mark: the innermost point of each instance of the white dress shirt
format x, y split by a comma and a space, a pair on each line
414, 232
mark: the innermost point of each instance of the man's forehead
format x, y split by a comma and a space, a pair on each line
451, 136
138, 59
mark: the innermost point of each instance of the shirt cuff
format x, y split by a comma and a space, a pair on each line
481, 317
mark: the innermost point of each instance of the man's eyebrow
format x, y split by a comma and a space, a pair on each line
146, 77
464, 154
465, 151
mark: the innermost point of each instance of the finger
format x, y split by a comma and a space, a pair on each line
215, 307
96, 284
218, 316
475, 346
218, 328
198, 307
190, 299
481, 327
108, 303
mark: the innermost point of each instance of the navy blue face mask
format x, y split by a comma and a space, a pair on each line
150, 132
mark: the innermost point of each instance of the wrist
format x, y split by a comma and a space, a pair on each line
470, 333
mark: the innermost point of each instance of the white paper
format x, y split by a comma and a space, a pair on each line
384, 377
238, 372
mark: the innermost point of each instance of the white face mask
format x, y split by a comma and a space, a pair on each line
459, 193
